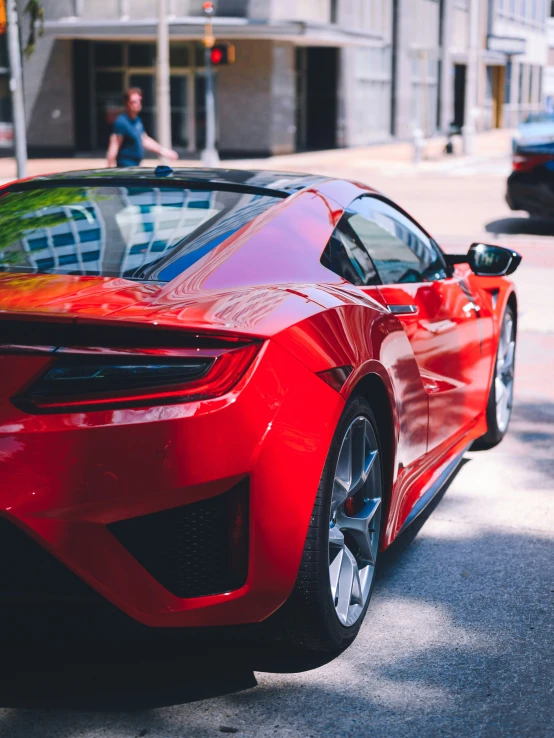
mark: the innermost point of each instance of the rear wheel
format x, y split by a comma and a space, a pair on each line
499, 408
337, 572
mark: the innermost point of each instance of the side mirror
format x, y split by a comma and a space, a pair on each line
492, 261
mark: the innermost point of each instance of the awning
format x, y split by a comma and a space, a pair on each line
192, 29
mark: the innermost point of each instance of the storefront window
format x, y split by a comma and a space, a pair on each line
108, 55
142, 55
179, 55
118, 66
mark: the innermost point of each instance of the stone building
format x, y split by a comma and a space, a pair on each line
309, 74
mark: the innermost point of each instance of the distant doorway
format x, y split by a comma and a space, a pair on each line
103, 70
317, 106
459, 94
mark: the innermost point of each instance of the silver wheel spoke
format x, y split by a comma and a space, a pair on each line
360, 528
355, 521
347, 573
504, 379
334, 573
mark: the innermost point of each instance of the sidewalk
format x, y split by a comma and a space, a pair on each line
491, 144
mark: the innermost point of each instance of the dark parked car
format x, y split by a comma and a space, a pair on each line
531, 183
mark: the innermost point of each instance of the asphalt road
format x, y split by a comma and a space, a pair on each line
458, 640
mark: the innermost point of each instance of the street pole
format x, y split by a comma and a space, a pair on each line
163, 119
472, 72
210, 156
16, 88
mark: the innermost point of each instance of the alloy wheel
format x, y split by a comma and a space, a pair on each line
355, 521
504, 380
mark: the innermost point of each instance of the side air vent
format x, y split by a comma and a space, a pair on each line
195, 550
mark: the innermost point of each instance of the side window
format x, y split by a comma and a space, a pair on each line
346, 256
400, 251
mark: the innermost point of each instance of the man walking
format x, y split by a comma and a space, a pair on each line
129, 139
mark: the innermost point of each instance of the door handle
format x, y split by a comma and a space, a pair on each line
402, 309
469, 306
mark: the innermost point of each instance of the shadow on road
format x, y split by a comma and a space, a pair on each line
105, 678
521, 226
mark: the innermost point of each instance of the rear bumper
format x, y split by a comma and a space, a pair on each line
67, 482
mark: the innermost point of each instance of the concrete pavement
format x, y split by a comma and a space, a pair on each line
458, 640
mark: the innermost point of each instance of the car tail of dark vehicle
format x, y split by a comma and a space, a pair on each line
531, 183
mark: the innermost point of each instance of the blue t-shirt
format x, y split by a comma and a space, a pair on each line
131, 151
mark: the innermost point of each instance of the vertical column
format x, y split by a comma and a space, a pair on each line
163, 122
471, 109
283, 99
16, 88
446, 113
402, 123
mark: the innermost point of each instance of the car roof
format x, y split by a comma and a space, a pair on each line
278, 183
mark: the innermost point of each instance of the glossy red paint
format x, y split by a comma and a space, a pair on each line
65, 476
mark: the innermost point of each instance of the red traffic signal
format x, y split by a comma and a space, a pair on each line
222, 54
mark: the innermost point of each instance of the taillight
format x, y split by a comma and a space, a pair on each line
527, 162
94, 379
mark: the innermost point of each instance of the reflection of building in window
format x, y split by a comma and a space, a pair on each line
121, 231
155, 220
74, 246
240, 209
150, 221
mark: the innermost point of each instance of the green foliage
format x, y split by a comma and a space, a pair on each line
35, 12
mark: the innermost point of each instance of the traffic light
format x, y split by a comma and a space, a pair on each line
222, 54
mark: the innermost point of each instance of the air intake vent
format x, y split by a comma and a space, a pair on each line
194, 550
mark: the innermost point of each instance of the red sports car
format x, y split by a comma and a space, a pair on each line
223, 393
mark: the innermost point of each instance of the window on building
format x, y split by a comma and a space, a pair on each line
334, 11
508, 82
552, 8
142, 55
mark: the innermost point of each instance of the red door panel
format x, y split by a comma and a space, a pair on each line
446, 334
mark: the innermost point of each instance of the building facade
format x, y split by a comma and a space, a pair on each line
549, 75
515, 61
309, 74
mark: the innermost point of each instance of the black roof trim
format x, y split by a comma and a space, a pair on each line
38, 183
278, 184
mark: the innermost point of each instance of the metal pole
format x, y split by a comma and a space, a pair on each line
16, 87
210, 156
472, 71
163, 118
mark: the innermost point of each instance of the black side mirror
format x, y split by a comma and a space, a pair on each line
492, 261
486, 260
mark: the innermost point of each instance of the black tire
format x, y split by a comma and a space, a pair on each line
494, 433
308, 620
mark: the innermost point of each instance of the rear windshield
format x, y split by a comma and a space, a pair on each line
142, 233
